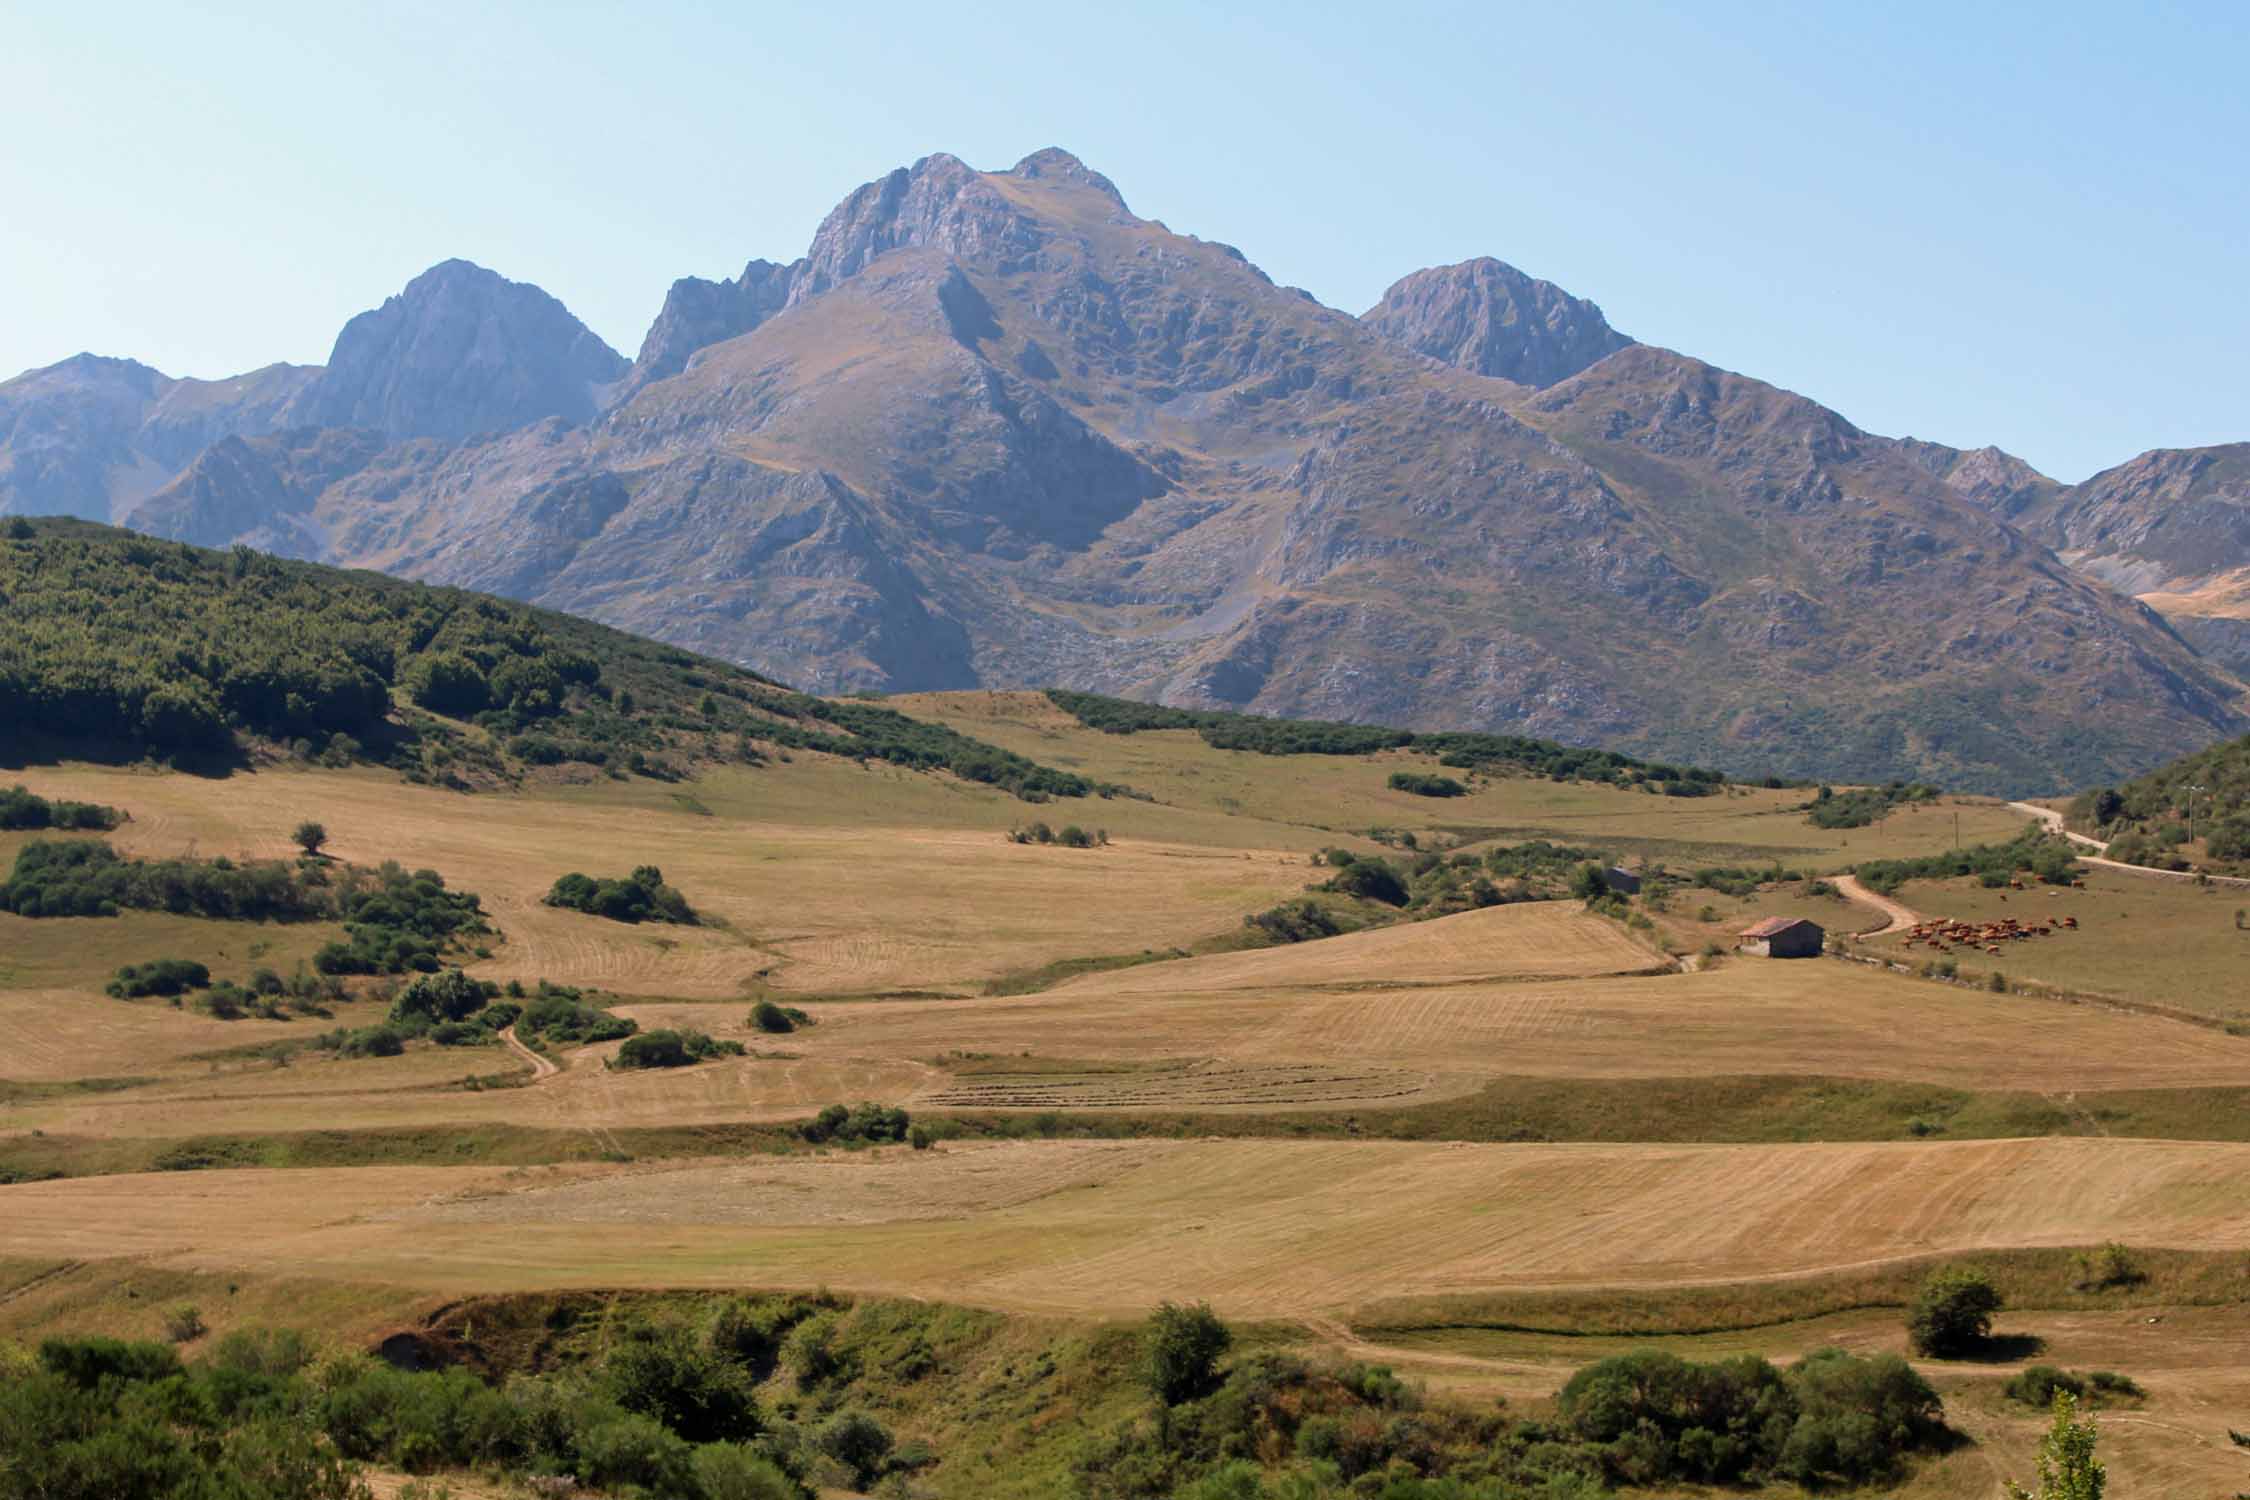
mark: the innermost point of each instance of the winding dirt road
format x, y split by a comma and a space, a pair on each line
1901, 916
541, 1068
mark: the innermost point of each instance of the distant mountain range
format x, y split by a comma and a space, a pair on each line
995, 429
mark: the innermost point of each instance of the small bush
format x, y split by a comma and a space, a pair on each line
774, 1019
858, 1442
1952, 1313
184, 1324
1180, 1352
309, 836
2110, 1383
2110, 1265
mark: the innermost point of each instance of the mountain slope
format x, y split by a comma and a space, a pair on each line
93, 436
994, 428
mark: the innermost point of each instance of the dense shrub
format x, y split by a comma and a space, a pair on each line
448, 995
640, 897
396, 922
1294, 922
691, 1388
159, 976
23, 810
1952, 1312
673, 1049
1425, 785
2048, 858
87, 878
1653, 1418
777, 1020
1369, 880
558, 1014
1864, 805
866, 1121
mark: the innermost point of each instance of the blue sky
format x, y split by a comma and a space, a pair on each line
1980, 223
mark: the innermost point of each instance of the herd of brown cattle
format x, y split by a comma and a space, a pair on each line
1945, 935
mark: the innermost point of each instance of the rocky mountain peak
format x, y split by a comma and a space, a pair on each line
461, 350
1055, 164
940, 203
699, 313
1486, 316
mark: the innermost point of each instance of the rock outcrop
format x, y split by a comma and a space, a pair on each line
1489, 318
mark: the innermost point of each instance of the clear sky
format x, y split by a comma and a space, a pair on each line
1980, 223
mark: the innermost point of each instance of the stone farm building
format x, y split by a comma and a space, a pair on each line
1784, 937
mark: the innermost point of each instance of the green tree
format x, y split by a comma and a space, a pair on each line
309, 836
1952, 1312
2068, 1469
1587, 884
1181, 1349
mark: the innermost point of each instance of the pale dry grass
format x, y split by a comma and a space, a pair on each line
812, 895
1812, 1017
1262, 1228
1532, 940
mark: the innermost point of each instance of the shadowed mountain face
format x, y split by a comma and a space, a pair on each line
995, 429
1491, 319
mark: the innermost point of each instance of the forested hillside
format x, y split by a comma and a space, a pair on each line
114, 644
2152, 819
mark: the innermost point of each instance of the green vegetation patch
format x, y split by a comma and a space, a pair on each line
1463, 750
640, 897
23, 810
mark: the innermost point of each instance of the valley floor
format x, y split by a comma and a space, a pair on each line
1520, 1101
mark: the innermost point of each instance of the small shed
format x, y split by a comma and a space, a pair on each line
1784, 937
1622, 881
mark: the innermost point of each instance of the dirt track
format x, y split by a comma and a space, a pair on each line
1900, 915
541, 1068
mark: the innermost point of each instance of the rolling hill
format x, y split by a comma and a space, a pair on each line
994, 428
115, 645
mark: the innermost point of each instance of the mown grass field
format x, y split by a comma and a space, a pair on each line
1522, 1107
2139, 938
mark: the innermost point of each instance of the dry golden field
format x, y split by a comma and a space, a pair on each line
1261, 1228
885, 904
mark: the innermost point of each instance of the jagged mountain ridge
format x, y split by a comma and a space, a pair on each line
995, 428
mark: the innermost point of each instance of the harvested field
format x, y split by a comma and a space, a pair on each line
1533, 940
812, 896
1261, 1228
1814, 1018
1205, 1085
